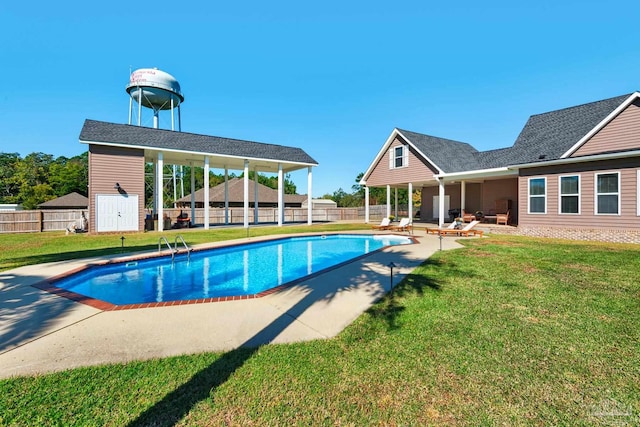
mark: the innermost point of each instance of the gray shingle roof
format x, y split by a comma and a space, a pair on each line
548, 134
447, 154
143, 137
236, 193
68, 201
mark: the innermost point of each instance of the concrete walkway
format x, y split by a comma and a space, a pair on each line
41, 332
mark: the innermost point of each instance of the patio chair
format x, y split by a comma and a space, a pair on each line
183, 220
466, 231
403, 225
468, 216
437, 230
384, 224
503, 218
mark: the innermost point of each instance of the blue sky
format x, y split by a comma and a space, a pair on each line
331, 77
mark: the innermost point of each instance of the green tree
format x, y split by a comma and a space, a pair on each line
32, 174
9, 186
69, 175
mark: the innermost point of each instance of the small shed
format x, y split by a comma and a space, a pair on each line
320, 204
68, 201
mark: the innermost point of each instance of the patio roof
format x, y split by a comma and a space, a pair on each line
182, 148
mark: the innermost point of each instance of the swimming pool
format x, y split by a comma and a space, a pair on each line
234, 271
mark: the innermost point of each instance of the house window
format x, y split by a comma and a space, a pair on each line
537, 195
570, 194
399, 157
608, 193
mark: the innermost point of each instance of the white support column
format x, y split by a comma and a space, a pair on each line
139, 105
206, 192
155, 188
255, 196
193, 194
395, 210
280, 195
463, 195
388, 200
441, 203
246, 194
309, 196
226, 195
366, 204
410, 202
160, 192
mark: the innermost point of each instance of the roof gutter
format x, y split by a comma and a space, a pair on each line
481, 173
581, 159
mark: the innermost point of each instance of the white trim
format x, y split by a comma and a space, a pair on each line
560, 194
481, 173
595, 191
385, 149
536, 195
408, 141
197, 153
602, 124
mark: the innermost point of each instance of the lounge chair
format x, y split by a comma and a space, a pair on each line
468, 216
503, 218
384, 224
438, 230
403, 225
466, 231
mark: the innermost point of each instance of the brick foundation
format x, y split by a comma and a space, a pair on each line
591, 234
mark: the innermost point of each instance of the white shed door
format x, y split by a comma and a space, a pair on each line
116, 212
436, 207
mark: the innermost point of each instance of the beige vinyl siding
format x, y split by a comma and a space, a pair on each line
622, 133
416, 171
108, 165
628, 193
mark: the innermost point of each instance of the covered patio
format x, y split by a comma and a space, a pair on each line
118, 153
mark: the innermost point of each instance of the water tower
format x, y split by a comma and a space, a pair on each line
156, 90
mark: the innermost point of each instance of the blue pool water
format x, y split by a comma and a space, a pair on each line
238, 270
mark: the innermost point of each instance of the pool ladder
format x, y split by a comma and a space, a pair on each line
174, 250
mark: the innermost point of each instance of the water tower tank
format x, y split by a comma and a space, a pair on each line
154, 89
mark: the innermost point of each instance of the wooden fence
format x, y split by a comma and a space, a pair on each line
40, 220
58, 219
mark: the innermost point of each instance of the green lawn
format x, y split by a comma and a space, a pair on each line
505, 331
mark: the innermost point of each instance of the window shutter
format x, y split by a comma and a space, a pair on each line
405, 156
391, 160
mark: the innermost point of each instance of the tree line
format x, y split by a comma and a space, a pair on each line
39, 177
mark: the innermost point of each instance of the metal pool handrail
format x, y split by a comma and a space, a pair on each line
179, 237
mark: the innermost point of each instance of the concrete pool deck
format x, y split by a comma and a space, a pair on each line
41, 332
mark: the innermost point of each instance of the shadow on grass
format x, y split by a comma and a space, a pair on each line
178, 403
390, 308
